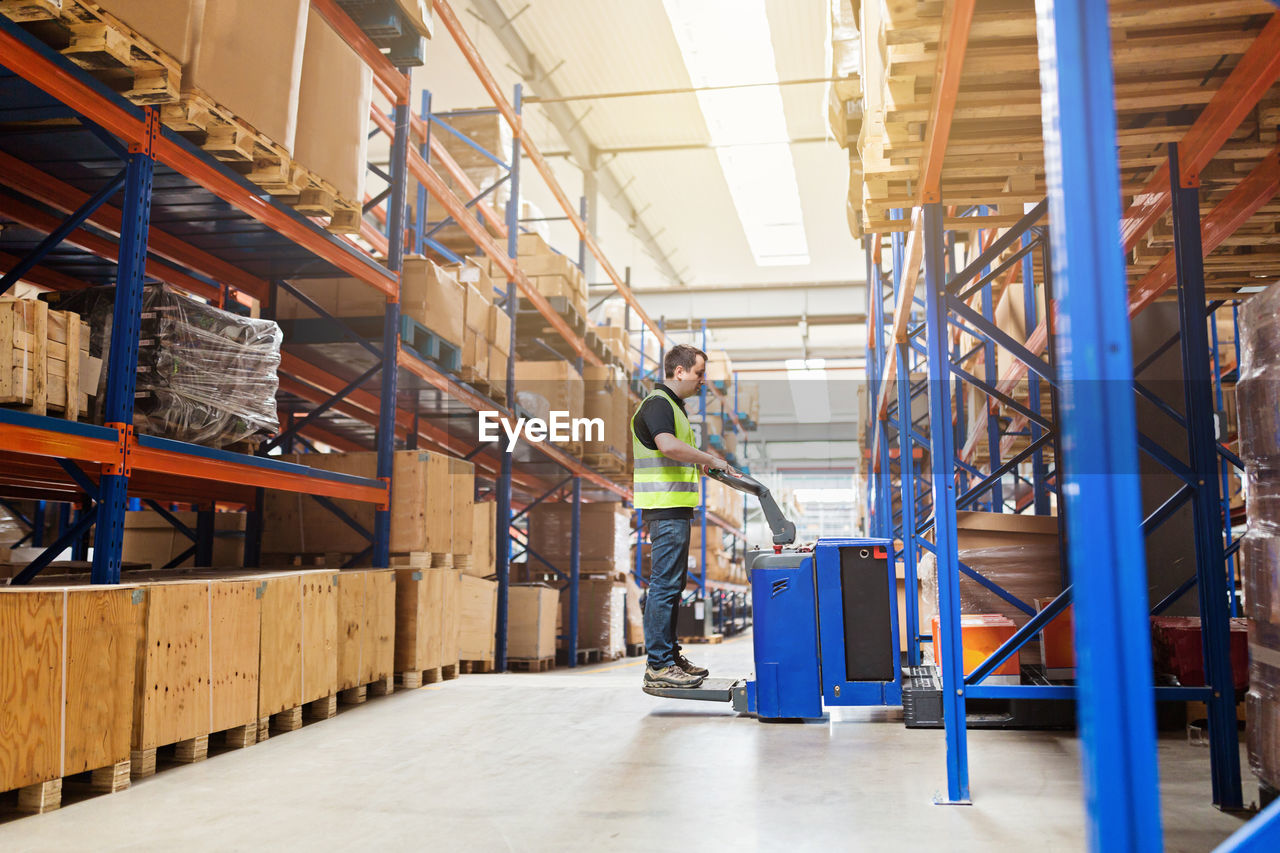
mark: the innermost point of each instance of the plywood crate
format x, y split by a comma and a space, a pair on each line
35, 371
197, 662
366, 626
427, 619
463, 476
478, 614
421, 507
483, 546
67, 668
299, 656
531, 621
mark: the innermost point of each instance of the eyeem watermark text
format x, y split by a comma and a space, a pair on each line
558, 428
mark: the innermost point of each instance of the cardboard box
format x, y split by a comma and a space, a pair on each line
421, 507
149, 538
498, 330
248, 59
173, 25
477, 309
604, 536
333, 111
557, 382
478, 618
436, 299
601, 615
531, 621
475, 353
606, 395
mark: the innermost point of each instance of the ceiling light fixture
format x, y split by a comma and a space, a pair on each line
727, 42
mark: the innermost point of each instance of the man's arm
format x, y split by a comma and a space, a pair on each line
674, 448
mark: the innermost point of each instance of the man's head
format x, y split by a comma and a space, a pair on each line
684, 367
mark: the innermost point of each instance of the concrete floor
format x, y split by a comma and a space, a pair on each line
584, 760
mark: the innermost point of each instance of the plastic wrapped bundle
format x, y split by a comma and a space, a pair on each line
205, 375
1258, 406
604, 533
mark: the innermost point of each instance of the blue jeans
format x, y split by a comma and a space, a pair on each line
669, 570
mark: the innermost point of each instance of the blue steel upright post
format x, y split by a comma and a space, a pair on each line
1197, 384
503, 538
575, 565
386, 438
702, 509
122, 361
906, 468
1099, 462
942, 459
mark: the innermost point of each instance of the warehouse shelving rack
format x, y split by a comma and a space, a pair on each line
1090, 424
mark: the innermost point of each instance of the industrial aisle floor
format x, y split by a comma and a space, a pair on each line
583, 760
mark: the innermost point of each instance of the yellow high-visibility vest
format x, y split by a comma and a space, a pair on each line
659, 482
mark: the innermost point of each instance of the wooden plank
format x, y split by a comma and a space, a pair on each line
319, 635
171, 700
31, 621
280, 672
71, 409
39, 359
236, 614
379, 628
450, 616
462, 485
957, 15
352, 595
101, 649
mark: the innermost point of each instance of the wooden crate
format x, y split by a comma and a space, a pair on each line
421, 503
35, 372
531, 621
197, 664
366, 627
299, 656
427, 619
66, 687
478, 611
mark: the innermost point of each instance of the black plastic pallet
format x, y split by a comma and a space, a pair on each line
922, 706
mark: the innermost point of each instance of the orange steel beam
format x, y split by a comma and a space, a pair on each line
51, 279
66, 86
436, 186
386, 73
1258, 188
48, 189
1257, 70
957, 15
451, 23
102, 247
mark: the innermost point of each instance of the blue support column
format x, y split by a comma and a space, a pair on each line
941, 457
1197, 384
1098, 430
421, 202
386, 438
991, 375
575, 563
122, 360
503, 540
1224, 467
906, 466
38, 522
702, 506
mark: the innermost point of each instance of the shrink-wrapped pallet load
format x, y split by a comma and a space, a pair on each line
1258, 407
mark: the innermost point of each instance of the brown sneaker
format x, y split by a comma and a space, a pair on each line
671, 676
691, 667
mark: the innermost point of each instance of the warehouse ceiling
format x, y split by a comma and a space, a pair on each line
675, 182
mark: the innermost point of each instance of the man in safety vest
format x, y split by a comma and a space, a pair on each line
667, 484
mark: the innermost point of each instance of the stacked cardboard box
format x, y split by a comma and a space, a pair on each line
551, 273
616, 341
720, 370
725, 503
486, 344
422, 507
601, 616
429, 295
552, 386
151, 539
604, 533
722, 564
606, 396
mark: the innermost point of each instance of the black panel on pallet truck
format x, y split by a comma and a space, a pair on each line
868, 636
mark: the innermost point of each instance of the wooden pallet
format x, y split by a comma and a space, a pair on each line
225, 136
102, 45
531, 664
475, 667
635, 650
42, 797
606, 463
359, 694
414, 679
429, 346
585, 657
192, 750
708, 639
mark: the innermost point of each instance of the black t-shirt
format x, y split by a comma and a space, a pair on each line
654, 418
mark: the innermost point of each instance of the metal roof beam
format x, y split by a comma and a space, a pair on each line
567, 124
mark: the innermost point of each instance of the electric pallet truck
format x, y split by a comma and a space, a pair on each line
825, 623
